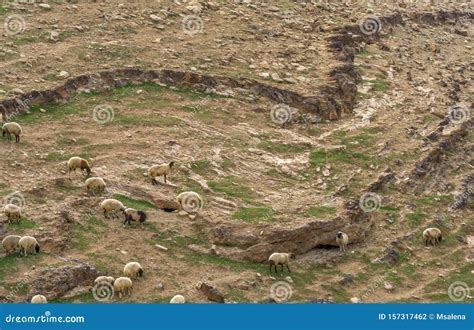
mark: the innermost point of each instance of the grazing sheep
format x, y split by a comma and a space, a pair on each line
95, 184
111, 206
190, 201
123, 286
13, 212
159, 170
10, 243
280, 259
39, 299
432, 236
178, 299
109, 280
342, 239
134, 215
133, 270
77, 162
12, 128
28, 243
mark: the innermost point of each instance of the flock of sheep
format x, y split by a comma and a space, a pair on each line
113, 208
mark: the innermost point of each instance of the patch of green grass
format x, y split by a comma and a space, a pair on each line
254, 214
461, 274
227, 164
201, 167
153, 120
431, 201
22, 226
8, 264
377, 85
3, 10
415, 218
65, 141
232, 187
339, 293
316, 211
233, 265
319, 158
86, 297
53, 112
281, 148
134, 203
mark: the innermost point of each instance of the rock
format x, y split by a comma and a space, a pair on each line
44, 6
346, 279
156, 18
63, 74
389, 287
210, 292
161, 247
54, 283
289, 279
160, 286
355, 300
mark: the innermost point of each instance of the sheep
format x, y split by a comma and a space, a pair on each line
280, 259
133, 270
342, 239
123, 286
432, 236
178, 299
13, 212
10, 243
12, 128
190, 201
28, 243
39, 299
77, 162
111, 206
108, 280
134, 215
95, 184
159, 170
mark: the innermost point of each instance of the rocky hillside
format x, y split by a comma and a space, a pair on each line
293, 120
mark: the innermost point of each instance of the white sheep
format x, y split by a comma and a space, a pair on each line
13, 212
111, 206
10, 243
280, 259
178, 299
123, 286
342, 239
95, 184
39, 299
190, 201
28, 243
12, 128
159, 170
133, 270
77, 162
432, 236
108, 280
135, 216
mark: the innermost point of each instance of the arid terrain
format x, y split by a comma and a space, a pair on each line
293, 120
